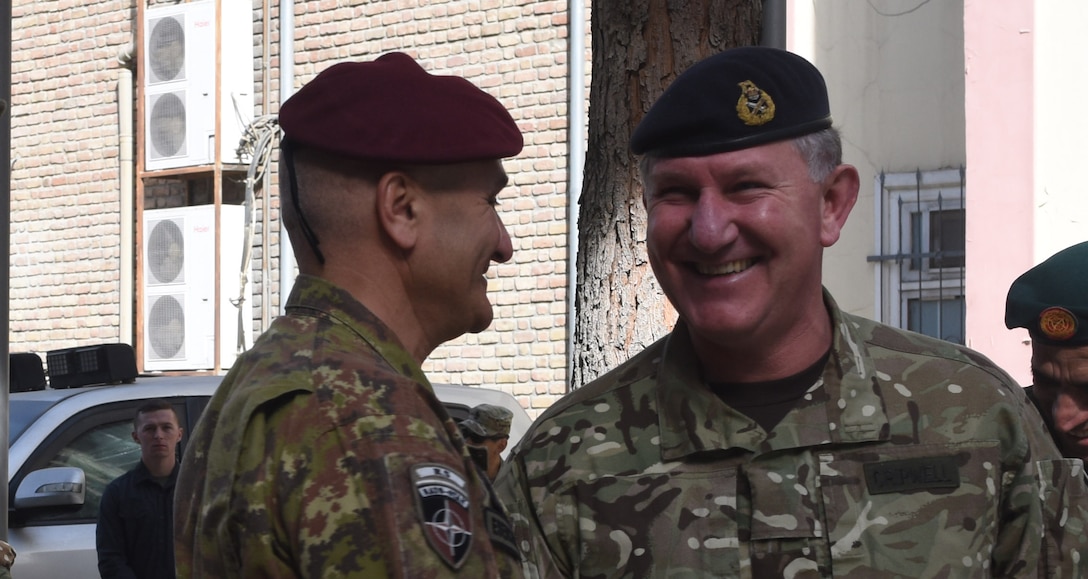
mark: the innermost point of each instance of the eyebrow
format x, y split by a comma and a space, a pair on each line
1040, 379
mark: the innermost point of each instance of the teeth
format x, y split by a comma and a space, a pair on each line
721, 269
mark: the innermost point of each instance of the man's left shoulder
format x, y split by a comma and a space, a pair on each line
889, 343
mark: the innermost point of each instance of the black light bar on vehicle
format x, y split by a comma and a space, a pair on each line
25, 372
92, 365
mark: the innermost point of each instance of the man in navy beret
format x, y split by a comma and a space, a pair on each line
325, 451
1050, 300
771, 434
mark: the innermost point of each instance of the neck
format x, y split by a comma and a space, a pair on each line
383, 292
753, 360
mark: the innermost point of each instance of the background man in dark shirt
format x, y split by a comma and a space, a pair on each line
135, 521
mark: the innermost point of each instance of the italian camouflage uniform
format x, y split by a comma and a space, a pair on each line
909, 457
7, 559
325, 453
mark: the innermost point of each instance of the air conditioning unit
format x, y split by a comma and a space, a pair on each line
179, 288
179, 76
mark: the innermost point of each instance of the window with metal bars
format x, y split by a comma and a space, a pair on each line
921, 222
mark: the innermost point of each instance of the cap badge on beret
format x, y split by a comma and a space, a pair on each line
1057, 323
755, 107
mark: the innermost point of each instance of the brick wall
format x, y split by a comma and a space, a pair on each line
65, 273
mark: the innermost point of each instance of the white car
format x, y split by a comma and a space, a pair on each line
66, 445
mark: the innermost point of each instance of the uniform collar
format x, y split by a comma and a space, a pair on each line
320, 296
844, 407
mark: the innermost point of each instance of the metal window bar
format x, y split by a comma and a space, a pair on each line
917, 249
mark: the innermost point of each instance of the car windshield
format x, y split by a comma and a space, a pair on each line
22, 413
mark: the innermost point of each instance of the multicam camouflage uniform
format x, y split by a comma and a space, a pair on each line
325, 453
910, 458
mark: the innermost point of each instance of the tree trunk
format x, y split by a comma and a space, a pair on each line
639, 46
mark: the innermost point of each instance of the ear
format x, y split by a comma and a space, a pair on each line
397, 202
839, 195
136, 438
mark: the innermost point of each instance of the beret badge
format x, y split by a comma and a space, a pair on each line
1057, 323
755, 107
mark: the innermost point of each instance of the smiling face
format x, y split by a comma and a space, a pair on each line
463, 234
736, 241
1060, 377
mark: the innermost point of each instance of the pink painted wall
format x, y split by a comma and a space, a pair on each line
998, 44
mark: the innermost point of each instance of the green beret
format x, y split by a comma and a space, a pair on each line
488, 421
736, 99
1051, 299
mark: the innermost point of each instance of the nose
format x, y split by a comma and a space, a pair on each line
505, 249
712, 224
1070, 412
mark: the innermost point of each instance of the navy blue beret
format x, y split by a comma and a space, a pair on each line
738, 98
390, 109
1051, 299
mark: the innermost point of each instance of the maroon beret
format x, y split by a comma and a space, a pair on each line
391, 109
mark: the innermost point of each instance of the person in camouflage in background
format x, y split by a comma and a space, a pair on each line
771, 434
487, 432
325, 452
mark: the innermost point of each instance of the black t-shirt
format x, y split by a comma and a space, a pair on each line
768, 402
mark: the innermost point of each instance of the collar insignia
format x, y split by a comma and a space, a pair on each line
754, 106
1057, 323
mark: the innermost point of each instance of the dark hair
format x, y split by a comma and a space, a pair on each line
153, 406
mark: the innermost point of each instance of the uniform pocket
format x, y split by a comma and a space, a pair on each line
912, 511
1065, 510
654, 525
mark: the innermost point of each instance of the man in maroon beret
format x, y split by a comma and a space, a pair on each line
325, 451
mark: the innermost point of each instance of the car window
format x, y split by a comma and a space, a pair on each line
21, 413
98, 441
457, 412
104, 452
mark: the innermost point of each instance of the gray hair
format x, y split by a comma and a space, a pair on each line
821, 151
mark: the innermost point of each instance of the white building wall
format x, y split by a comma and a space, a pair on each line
895, 79
1061, 146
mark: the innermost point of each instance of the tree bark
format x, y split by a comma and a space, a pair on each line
639, 46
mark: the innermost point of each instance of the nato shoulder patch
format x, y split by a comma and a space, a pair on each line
442, 500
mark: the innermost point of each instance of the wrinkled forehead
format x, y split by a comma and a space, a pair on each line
1060, 363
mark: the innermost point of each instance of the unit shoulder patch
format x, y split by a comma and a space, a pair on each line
442, 501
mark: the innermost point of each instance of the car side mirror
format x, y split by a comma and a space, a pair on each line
52, 487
